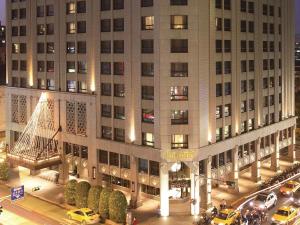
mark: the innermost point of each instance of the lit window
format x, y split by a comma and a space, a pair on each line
179, 22
71, 8
147, 22
179, 141
71, 28
148, 139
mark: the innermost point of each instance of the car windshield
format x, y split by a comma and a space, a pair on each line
222, 216
282, 212
261, 198
90, 213
289, 185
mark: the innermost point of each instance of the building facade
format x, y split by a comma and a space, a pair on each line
2, 54
157, 98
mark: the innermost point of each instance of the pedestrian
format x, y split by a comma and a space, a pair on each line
223, 204
134, 222
214, 211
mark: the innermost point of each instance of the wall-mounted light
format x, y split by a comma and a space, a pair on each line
94, 172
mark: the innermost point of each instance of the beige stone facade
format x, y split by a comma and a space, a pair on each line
139, 85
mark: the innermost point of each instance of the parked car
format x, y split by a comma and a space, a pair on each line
84, 216
289, 187
285, 215
264, 200
295, 198
226, 217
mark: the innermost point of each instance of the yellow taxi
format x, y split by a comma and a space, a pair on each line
226, 217
84, 216
285, 215
289, 187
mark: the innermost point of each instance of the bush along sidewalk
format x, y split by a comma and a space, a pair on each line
82, 191
94, 197
104, 203
4, 171
70, 192
117, 207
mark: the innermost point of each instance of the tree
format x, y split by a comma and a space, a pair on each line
117, 207
70, 191
94, 197
82, 191
4, 169
104, 203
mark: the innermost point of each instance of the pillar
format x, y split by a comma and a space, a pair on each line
205, 190
291, 147
235, 167
134, 182
256, 165
275, 155
164, 190
195, 189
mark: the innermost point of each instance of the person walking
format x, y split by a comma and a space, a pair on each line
134, 222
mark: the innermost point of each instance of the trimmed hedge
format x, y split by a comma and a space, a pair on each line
104, 203
82, 191
94, 197
4, 170
70, 191
117, 207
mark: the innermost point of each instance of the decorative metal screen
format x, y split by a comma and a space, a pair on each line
22, 109
70, 117
81, 118
14, 109
50, 105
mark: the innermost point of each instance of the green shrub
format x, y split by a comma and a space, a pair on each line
117, 207
82, 191
93, 198
4, 169
70, 191
104, 203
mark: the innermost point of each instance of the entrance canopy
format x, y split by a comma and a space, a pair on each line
36, 147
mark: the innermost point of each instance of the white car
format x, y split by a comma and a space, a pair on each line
264, 200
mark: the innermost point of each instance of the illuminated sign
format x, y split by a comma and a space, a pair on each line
182, 155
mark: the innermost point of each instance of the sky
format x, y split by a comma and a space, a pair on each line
2, 14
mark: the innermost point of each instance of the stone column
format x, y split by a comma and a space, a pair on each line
164, 190
291, 147
275, 155
134, 182
195, 189
235, 167
205, 190
255, 167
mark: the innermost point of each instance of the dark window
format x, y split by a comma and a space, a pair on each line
154, 168
219, 90
22, 13
179, 69
219, 46
23, 65
227, 4
227, 67
250, 26
81, 7
146, 3
119, 112
179, 45
106, 89
251, 65
119, 134
251, 46
50, 66
148, 92
143, 166
243, 66
106, 68
81, 27
106, 132
40, 66
227, 90
14, 14
219, 68
118, 68
178, 2
40, 11
243, 26
125, 161
50, 29
243, 46
114, 159
106, 110
105, 25
227, 45
243, 6
14, 31
22, 30
40, 47
50, 48
119, 90
219, 25
265, 9
118, 4
271, 10
147, 69
218, 4
227, 24
105, 5
147, 46
118, 46
250, 7
119, 24
103, 156
105, 46
81, 47
50, 10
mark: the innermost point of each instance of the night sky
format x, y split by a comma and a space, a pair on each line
2, 14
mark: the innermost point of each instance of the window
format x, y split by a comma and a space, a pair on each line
272, 47
179, 93
227, 110
105, 46
179, 22
15, 65
243, 6
243, 86
15, 48
119, 90
265, 64
219, 91
50, 84
81, 47
250, 7
219, 134
227, 24
50, 48
81, 7
243, 106
272, 100
227, 88
227, 67
227, 4
71, 8
250, 124
272, 82
179, 141
118, 4
179, 45
41, 29
22, 30
22, 13
251, 46
105, 89
148, 115
119, 134
106, 132
265, 9
15, 82
23, 65
23, 48
265, 28
119, 24
250, 26
243, 46
119, 112
271, 28
147, 69
219, 25
14, 31
227, 131
50, 29
114, 159
178, 2
14, 14
41, 66
266, 101
118, 46
265, 83
147, 23
71, 28
50, 10
147, 46
71, 67
219, 68
23, 82
125, 161
81, 27
243, 127
148, 139
81, 67
243, 66
71, 47
219, 112
118, 68
251, 85
227, 46
179, 117
219, 46
218, 4
148, 92
40, 47
146, 3
41, 84
154, 168
243, 26
271, 10
50, 66
71, 86
106, 68
105, 5
179, 69
251, 105
106, 110
105, 25
143, 166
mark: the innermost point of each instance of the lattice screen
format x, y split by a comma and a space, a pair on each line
76, 117
81, 118
22, 109
14, 109
70, 117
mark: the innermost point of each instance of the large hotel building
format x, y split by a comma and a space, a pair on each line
163, 99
